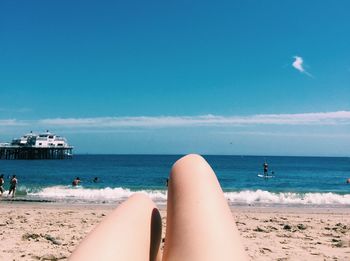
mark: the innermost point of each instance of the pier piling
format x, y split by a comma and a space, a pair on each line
32, 153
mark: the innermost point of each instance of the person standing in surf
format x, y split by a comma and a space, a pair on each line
2, 181
266, 168
76, 182
13, 185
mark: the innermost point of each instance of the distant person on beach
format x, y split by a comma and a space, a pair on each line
266, 168
13, 185
199, 223
76, 182
167, 182
2, 181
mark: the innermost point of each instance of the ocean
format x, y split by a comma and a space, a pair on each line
298, 181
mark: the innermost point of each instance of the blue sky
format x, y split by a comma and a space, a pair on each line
212, 77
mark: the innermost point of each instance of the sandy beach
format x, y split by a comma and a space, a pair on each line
51, 231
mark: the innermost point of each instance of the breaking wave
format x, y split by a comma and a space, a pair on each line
266, 197
80, 194
246, 197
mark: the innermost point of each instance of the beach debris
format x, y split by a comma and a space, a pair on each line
301, 226
315, 253
49, 257
270, 220
262, 250
36, 237
272, 228
52, 239
308, 238
341, 243
10, 222
28, 236
329, 235
259, 229
284, 235
287, 227
339, 227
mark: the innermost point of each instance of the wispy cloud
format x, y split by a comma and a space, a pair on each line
285, 134
298, 64
319, 118
12, 122
17, 110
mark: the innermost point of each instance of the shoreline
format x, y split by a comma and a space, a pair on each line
260, 208
278, 208
37, 230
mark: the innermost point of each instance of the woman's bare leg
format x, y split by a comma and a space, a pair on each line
131, 232
200, 225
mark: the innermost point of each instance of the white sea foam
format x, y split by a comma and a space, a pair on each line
92, 195
265, 197
63, 193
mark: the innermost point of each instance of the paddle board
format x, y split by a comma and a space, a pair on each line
263, 176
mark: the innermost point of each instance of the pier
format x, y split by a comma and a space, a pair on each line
34, 153
32, 146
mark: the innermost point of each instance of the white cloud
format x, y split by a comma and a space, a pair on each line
11, 122
298, 64
319, 118
285, 134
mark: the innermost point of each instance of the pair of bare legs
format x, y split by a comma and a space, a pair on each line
200, 225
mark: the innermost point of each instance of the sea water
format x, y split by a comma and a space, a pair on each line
302, 181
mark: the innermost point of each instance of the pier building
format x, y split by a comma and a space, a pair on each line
45, 145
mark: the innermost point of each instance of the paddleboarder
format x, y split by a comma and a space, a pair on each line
266, 168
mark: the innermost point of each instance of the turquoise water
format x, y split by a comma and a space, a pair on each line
298, 180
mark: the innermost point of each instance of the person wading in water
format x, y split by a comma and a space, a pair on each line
13, 185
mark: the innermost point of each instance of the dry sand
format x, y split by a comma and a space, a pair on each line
46, 231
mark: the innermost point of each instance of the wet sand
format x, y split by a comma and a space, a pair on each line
51, 231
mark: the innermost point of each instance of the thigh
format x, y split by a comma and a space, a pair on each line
200, 225
131, 232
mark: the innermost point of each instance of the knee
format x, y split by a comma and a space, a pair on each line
190, 158
142, 200
188, 165
140, 197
